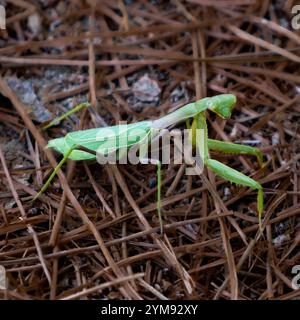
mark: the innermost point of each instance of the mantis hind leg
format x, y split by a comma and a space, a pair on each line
233, 148
238, 178
53, 174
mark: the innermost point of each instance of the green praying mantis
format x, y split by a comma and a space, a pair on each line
86, 144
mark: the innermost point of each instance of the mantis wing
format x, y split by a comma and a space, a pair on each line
101, 140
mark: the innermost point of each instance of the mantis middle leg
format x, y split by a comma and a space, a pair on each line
234, 148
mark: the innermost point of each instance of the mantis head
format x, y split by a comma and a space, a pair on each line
222, 105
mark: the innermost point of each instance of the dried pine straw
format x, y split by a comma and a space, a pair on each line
95, 233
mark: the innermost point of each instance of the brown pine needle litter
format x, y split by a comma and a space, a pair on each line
95, 234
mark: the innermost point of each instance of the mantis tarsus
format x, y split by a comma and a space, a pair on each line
83, 145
